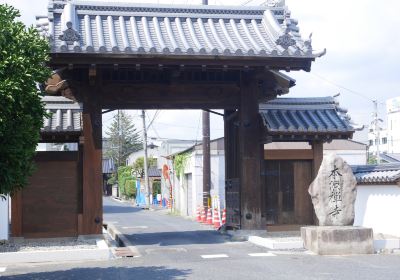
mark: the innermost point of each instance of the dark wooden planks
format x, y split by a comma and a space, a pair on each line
49, 202
303, 208
250, 148
92, 215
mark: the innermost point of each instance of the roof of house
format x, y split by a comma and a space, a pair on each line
108, 165
382, 173
65, 115
390, 158
75, 26
306, 116
153, 171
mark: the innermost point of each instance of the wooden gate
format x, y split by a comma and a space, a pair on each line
49, 205
232, 198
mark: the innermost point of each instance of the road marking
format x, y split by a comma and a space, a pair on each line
214, 256
136, 227
262, 255
3, 269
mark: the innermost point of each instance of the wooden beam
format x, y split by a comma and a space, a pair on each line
169, 96
92, 216
295, 154
250, 156
277, 63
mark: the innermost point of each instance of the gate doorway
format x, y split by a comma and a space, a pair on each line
286, 192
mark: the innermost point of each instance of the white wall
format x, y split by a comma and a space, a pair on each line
4, 219
378, 207
195, 167
352, 157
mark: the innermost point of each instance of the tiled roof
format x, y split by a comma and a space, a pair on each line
305, 116
153, 171
65, 115
383, 173
132, 28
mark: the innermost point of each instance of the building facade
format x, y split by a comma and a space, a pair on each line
389, 137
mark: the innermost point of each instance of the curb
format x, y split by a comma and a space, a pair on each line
101, 253
121, 239
273, 244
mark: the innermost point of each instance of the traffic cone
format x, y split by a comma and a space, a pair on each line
217, 224
224, 217
209, 217
203, 216
198, 214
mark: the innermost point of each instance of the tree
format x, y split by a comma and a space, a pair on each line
138, 166
124, 139
23, 54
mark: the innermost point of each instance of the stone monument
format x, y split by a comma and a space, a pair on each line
333, 194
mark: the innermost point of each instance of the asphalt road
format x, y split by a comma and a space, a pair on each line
172, 247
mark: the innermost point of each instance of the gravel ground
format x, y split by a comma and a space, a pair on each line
47, 245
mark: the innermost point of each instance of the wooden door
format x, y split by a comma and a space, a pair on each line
286, 192
302, 204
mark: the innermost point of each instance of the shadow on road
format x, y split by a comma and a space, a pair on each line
110, 209
150, 272
177, 238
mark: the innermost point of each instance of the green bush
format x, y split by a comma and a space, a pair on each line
130, 188
126, 182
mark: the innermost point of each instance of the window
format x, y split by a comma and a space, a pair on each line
376, 141
384, 140
371, 142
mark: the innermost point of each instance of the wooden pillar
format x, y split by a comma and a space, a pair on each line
318, 153
250, 155
92, 214
16, 214
232, 181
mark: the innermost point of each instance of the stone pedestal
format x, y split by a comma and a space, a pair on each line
338, 240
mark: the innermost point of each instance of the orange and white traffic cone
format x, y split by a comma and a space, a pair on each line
224, 217
198, 215
203, 216
217, 224
209, 217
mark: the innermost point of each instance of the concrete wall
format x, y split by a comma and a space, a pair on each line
195, 168
378, 207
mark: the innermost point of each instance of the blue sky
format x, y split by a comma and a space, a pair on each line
362, 60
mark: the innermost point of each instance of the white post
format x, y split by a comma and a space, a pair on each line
3, 217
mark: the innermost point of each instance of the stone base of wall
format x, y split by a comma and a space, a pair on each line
338, 240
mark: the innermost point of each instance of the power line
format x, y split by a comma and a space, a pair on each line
342, 87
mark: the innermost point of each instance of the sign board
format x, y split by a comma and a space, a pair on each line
393, 105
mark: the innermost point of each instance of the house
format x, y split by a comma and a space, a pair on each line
387, 139
378, 198
188, 187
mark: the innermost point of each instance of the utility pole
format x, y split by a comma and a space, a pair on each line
206, 159
375, 122
145, 167
206, 153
